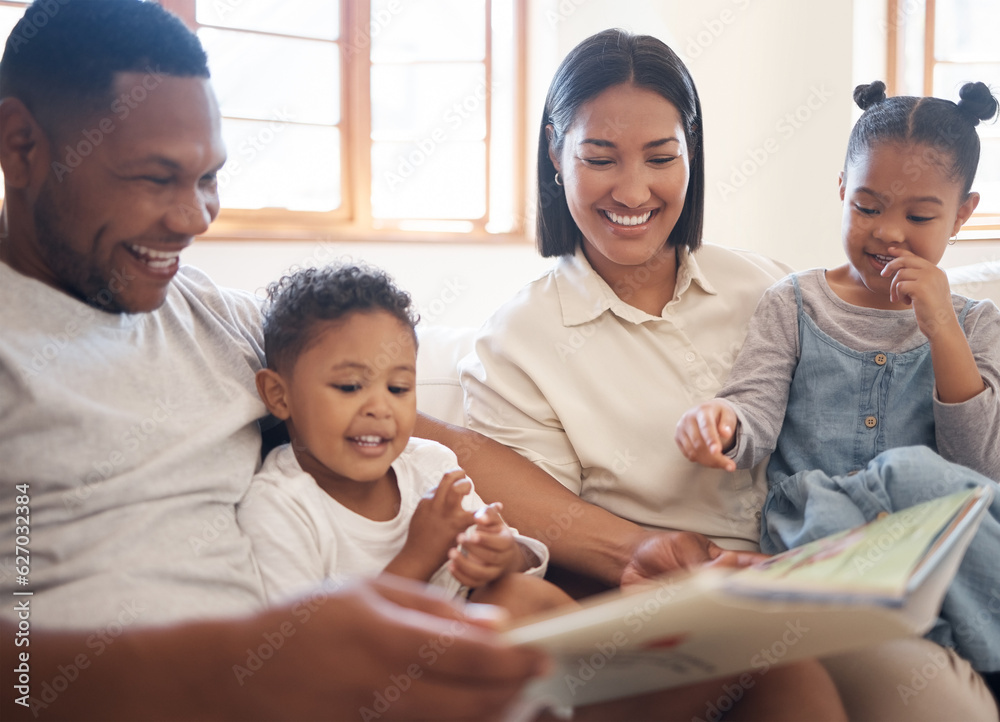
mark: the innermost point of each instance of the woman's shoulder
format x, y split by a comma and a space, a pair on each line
529, 308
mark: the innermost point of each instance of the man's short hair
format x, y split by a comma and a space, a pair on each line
62, 56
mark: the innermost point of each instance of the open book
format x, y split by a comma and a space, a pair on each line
878, 582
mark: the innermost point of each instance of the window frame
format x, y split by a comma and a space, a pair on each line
982, 226
353, 221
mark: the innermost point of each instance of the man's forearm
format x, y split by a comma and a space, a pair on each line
167, 673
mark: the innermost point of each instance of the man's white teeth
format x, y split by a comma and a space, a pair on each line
368, 440
882, 259
153, 258
628, 220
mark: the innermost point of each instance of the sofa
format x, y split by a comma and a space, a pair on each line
439, 393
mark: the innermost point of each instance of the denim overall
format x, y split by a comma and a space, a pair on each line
858, 439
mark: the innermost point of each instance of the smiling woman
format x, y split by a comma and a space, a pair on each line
625, 183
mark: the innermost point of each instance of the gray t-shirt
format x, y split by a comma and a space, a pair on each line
967, 433
135, 435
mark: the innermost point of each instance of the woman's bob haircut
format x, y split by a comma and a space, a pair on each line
602, 61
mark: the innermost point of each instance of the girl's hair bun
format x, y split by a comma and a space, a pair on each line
977, 102
867, 95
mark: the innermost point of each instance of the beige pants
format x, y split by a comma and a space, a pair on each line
910, 680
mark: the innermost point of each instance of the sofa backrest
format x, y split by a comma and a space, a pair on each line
439, 393
978, 280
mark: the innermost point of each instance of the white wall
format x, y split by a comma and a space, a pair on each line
775, 78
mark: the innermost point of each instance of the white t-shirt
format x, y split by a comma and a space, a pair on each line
303, 536
590, 388
135, 435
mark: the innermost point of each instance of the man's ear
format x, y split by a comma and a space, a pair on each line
965, 212
273, 392
841, 179
22, 143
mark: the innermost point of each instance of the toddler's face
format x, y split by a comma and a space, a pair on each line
352, 398
899, 196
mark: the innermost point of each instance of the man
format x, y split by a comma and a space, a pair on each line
128, 421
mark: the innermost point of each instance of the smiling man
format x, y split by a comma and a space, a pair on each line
129, 418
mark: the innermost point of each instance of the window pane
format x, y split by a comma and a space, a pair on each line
987, 181
437, 102
503, 148
280, 165
449, 181
421, 30
305, 18
301, 77
965, 30
8, 19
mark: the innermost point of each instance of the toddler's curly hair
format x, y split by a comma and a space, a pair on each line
300, 300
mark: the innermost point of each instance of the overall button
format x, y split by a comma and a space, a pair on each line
880, 359
871, 422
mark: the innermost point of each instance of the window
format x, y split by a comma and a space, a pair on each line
935, 46
367, 118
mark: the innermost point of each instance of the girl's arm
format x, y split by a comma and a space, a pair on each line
968, 433
758, 384
922, 285
956, 374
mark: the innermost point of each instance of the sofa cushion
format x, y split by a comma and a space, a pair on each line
977, 280
439, 394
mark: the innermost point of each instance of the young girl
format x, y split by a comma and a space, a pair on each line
869, 384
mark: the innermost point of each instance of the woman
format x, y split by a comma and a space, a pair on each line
588, 369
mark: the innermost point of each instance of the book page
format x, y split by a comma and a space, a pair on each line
874, 562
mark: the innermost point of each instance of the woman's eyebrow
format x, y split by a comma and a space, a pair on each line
600, 142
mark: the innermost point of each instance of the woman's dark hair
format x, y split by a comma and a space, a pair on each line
602, 61
298, 301
61, 57
948, 128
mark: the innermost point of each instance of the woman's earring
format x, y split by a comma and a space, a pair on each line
557, 179
953, 239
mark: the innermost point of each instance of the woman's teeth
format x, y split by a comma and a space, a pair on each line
368, 440
628, 220
882, 259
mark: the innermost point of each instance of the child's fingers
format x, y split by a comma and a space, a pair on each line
708, 428
488, 517
695, 449
476, 539
453, 486
471, 571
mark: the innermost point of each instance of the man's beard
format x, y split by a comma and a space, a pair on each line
75, 272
